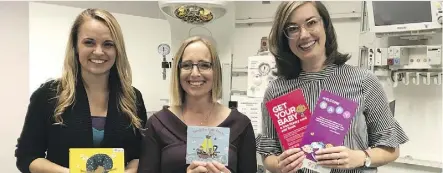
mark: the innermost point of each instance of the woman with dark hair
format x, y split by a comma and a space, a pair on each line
304, 45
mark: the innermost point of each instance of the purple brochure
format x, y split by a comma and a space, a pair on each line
327, 127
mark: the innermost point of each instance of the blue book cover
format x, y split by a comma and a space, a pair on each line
207, 144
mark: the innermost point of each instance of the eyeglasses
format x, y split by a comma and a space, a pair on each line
292, 31
202, 66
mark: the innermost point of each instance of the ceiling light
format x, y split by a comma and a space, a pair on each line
194, 12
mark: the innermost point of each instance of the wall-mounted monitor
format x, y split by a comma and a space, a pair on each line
403, 16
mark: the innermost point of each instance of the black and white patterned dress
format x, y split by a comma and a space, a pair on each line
373, 125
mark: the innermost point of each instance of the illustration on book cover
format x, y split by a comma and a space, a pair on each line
96, 160
207, 144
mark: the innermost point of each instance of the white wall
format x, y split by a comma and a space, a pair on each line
14, 76
49, 29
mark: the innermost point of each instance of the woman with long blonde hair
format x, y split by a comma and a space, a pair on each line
92, 105
196, 85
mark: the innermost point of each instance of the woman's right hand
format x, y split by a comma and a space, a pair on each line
197, 167
291, 160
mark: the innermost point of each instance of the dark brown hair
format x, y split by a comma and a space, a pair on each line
288, 64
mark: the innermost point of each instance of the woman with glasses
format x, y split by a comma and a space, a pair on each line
304, 44
196, 85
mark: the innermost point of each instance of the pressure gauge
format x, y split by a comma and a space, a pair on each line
264, 69
163, 49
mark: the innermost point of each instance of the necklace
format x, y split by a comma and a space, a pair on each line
206, 118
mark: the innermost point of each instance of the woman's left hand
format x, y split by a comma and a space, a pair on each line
215, 167
340, 157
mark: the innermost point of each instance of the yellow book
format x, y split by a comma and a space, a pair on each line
96, 160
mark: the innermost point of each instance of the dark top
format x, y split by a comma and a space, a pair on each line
41, 134
164, 144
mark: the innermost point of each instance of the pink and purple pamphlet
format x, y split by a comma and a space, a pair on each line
290, 115
328, 126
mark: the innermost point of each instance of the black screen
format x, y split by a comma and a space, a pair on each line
401, 12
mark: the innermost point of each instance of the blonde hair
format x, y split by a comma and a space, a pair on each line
67, 83
177, 92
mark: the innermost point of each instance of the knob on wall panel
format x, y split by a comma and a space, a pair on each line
371, 59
